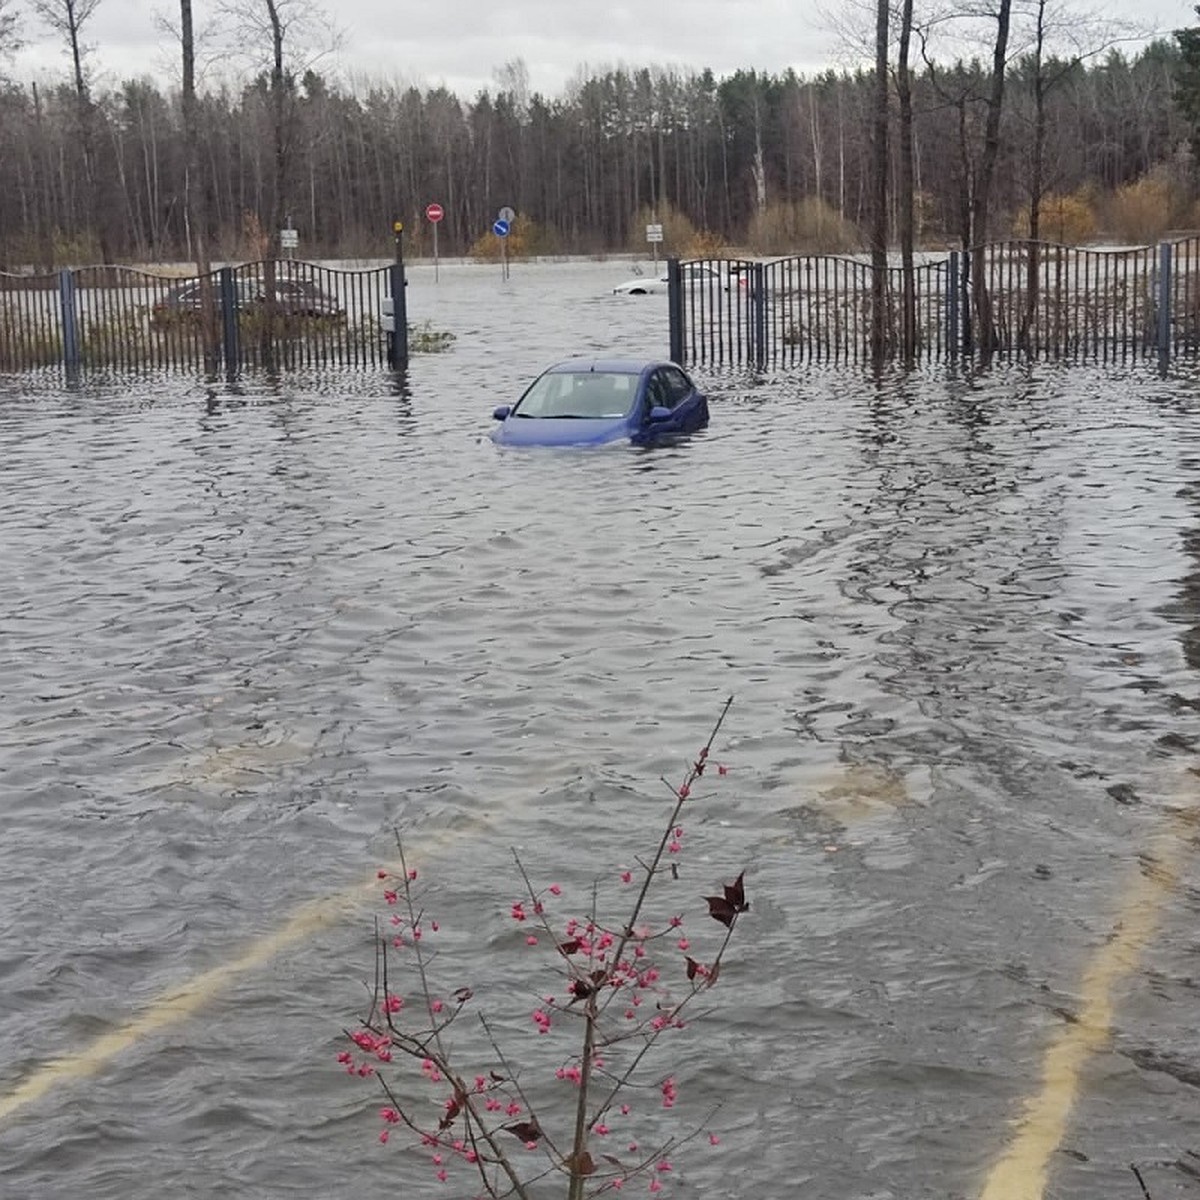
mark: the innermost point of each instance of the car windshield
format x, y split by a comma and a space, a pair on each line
590, 395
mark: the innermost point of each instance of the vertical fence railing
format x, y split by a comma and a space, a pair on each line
1040, 300
127, 320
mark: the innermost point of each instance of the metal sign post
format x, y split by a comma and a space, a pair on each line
434, 213
654, 235
500, 227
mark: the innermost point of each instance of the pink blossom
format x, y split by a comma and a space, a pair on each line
437, 1006
675, 922
513, 1109
684, 791
434, 926
442, 1176
390, 1115
655, 1186
412, 874
663, 1166
722, 769
390, 897
626, 876
602, 1129
480, 1083
381, 874
624, 1110
713, 1140
684, 944
531, 940
518, 911
674, 847
383, 1135
394, 1003
554, 889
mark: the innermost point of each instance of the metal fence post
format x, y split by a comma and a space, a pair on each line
760, 316
1164, 305
229, 321
952, 304
397, 348
398, 342
70, 324
675, 311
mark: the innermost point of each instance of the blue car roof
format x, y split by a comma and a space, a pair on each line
608, 366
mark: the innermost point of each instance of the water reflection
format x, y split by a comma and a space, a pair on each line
251, 627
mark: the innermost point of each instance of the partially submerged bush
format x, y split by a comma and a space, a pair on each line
808, 226
1068, 220
1142, 211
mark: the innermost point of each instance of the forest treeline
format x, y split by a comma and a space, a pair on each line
768, 161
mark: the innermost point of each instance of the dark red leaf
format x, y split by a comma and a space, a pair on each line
584, 1165
452, 1111
527, 1131
570, 947
721, 910
497, 1077
693, 967
735, 893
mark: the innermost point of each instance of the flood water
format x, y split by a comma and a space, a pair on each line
247, 630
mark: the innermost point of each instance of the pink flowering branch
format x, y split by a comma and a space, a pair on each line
482, 1123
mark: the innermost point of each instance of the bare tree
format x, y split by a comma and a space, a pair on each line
10, 29
905, 184
195, 187
879, 181
67, 19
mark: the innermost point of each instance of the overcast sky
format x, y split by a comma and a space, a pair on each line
461, 43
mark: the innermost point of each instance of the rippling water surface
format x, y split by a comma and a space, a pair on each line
246, 630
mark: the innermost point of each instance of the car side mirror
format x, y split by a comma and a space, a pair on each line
659, 413
500, 413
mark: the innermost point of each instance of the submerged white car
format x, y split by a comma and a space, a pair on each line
693, 273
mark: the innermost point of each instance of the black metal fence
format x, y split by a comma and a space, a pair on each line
276, 315
1030, 298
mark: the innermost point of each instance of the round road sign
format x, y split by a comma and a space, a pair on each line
507, 214
434, 212
500, 228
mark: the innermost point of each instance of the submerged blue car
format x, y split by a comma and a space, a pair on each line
586, 402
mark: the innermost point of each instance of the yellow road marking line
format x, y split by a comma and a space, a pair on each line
186, 1001
1021, 1173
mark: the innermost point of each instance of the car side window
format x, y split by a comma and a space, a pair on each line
676, 384
658, 392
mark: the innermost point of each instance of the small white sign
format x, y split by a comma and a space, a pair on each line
289, 239
654, 233
507, 214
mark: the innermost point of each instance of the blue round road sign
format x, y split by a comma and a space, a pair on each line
500, 228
